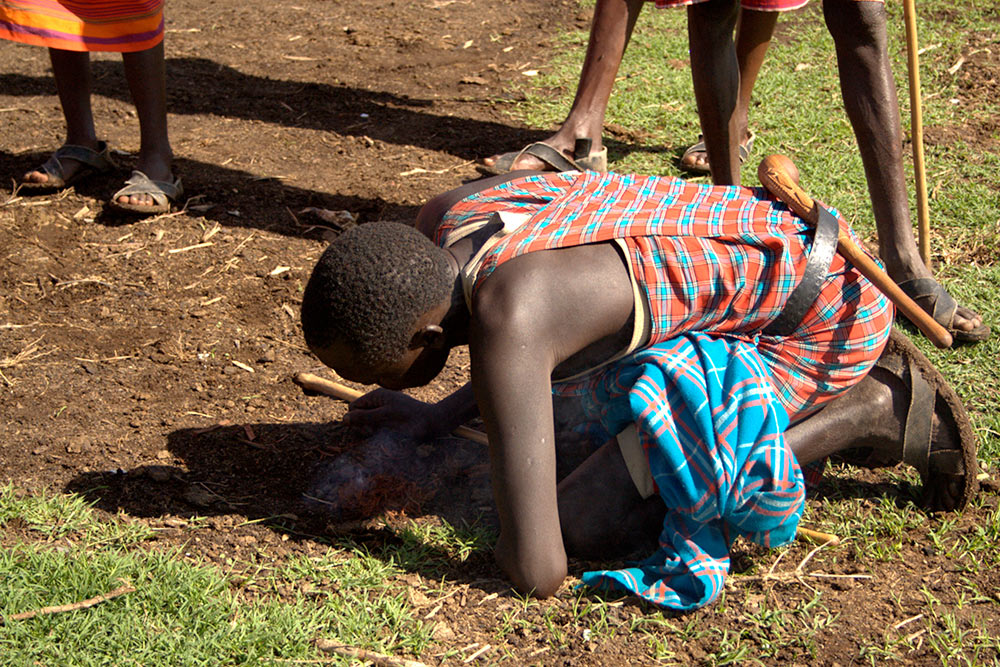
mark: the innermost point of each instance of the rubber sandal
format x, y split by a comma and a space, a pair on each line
942, 307
164, 194
699, 147
92, 162
555, 160
930, 394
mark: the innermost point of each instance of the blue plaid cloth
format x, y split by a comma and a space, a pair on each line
712, 429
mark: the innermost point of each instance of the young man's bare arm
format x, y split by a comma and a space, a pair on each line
511, 367
532, 314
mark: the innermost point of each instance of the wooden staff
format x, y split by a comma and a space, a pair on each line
320, 385
780, 176
917, 130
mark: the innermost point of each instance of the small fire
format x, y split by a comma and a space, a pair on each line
385, 472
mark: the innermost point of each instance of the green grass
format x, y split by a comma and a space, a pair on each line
195, 614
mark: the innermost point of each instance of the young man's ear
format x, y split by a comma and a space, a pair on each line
429, 335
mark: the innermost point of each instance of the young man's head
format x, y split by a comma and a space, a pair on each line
373, 305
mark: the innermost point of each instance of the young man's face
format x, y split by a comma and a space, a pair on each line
418, 365
415, 368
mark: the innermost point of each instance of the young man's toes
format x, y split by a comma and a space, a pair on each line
966, 320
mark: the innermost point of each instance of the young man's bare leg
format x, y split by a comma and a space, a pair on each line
716, 79
753, 37
71, 70
602, 514
869, 92
873, 415
145, 72
609, 36
600, 511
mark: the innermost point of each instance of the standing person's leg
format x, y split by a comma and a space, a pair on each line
145, 72
753, 37
869, 91
609, 36
71, 70
716, 79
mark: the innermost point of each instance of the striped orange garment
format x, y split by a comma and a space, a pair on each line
83, 25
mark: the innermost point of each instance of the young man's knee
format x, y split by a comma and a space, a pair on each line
714, 18
856, 23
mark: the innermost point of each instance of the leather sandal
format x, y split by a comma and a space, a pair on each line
163, 193
699, 147
930, 394
941, 306
555, 160
92, 162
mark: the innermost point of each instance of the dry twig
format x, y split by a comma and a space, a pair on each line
798, 575
346, 651
82, 604
29, 353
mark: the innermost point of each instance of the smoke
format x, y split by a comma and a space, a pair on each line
385, 472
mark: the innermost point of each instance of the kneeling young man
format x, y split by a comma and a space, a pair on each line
666, 308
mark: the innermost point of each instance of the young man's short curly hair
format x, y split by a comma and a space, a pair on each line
370, 286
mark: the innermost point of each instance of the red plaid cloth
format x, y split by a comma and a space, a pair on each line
717, 260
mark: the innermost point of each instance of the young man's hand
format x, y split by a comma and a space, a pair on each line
395, 411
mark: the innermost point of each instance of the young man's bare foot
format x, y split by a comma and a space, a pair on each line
560, 152
695, 158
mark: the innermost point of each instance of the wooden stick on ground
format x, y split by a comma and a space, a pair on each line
320, 385
364, 655
82, 604
817, 537
780, 176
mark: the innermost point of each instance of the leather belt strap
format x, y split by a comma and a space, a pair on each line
804, 295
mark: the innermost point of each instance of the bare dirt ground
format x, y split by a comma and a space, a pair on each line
147, 363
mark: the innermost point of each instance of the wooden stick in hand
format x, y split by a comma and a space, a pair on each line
780, 176
320, 385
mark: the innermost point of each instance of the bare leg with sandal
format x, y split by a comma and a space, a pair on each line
753, 37
609, 36
902, 411
869, 92
137, 32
